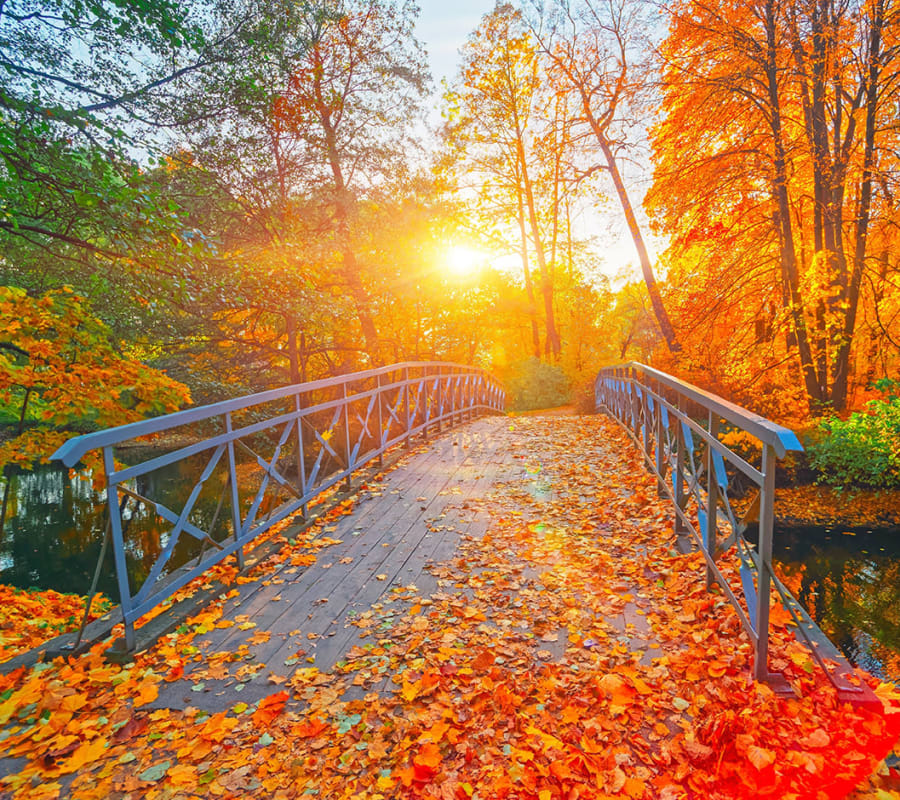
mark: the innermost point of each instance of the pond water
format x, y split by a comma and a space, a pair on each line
55, 522
847, 578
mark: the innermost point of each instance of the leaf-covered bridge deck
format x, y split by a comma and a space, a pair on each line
307, 610
503, 615
377, 565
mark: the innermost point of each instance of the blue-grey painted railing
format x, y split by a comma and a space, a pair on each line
679, 427
329, 429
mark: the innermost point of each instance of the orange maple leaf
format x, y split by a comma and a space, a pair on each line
269, 708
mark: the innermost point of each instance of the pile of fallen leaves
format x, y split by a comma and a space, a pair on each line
822, 505
569, 652
29, 617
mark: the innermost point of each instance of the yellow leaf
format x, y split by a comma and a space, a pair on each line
147, 694
86, 753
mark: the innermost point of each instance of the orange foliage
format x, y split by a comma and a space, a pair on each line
59, 360
27, 618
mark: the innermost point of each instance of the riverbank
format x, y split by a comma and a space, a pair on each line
808, 505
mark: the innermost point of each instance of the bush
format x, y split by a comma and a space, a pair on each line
863, 450
532, 384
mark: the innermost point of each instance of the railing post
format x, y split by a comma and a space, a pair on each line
408, 406
381, 437
235, 497
118, 540
766, 526
645, 416
712, 498
678, 476
439, 400
347, 481
429, 401
660, 446
301, 455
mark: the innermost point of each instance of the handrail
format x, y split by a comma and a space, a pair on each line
73, 450
328, 429
682, 447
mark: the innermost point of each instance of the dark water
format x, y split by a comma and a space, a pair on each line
55, 522
848, 579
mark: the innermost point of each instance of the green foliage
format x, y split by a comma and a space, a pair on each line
863, 450
531, 384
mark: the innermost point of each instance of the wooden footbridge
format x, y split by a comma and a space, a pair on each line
381, 586
290, 454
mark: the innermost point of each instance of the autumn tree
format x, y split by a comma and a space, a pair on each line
498, 126
93, 96
592, 52
351, 100
59, 368
773, 155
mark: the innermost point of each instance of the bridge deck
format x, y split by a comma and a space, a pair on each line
397, 548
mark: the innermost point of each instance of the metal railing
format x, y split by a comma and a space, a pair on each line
316, 434
680, 427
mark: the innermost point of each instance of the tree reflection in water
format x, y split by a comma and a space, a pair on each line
849, 581
55, 523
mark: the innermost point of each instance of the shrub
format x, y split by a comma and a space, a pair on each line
863, 450
531, 384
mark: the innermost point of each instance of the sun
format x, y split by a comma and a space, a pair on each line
463, 261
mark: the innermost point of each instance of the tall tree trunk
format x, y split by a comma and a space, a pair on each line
293, 355
842, 356
529, 285
343, 203
659, 310
786, 234
552, 344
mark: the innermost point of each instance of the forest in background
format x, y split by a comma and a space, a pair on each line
200, 200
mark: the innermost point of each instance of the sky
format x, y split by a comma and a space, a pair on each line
443, 27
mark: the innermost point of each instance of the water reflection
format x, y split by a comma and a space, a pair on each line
55, 523
849, 581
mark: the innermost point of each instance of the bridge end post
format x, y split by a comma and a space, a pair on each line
764, 579
118, 540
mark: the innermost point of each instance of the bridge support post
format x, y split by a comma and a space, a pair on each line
678, 478
347, 450
660, 447
408, 406
766, 526
301, 456
115, 523
712, 498
439, 400
381, 437
235, 498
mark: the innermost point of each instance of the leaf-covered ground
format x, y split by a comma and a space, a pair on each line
569, 652
30, 617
